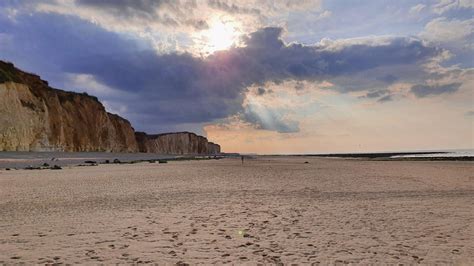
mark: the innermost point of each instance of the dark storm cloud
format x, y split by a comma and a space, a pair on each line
177, 88
426, 90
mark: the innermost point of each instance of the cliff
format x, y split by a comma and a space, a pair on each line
176, 143
36, 117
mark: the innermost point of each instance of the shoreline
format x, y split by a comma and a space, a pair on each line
56, 163
43, 160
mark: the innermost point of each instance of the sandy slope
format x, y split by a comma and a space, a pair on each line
269, 210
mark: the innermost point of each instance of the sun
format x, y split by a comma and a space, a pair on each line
220, 35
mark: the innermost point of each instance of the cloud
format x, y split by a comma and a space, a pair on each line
386, 98
261, 91
445, 31
382, 95
165, 12
299, 86
389, 78
325, 14
171, 25
446, 5
375, 94
422, 91
417, 9
232, 8
172, 17
125, 7
178, 88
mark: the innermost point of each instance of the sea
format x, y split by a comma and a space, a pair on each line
35, 159
440, 153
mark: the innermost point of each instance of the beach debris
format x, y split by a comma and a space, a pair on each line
8, 169
306, 162
89, 163
243, 234
31, 167
56, 167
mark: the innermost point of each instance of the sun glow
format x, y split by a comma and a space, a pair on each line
220, 36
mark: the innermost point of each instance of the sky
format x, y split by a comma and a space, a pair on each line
262, 76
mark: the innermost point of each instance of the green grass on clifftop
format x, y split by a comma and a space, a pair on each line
8, 73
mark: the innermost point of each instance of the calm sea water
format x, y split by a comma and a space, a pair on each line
443, 153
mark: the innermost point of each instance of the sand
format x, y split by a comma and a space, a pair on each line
268, 210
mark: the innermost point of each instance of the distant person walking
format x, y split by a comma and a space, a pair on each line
242, 157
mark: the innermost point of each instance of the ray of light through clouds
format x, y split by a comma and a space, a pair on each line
289, 76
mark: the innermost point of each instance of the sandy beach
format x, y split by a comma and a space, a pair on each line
269, 210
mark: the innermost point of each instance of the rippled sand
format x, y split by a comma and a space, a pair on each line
268, 210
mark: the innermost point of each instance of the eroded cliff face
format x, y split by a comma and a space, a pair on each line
36, 117
176, 143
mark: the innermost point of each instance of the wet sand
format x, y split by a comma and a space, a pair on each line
218, 211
